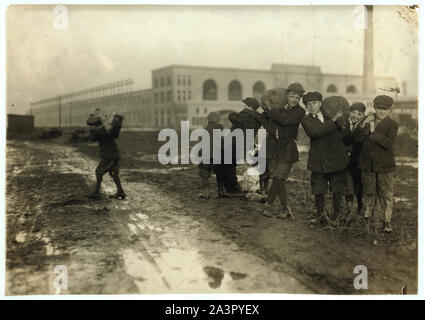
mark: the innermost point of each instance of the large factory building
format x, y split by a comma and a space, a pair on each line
190, 93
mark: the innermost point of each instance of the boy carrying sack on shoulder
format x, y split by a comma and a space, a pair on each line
377, 163
327, 157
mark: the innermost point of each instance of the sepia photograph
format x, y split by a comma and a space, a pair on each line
214, 149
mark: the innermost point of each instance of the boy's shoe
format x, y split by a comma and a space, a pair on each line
119, 196
388, 228
286, 213
204, 195
94, 196
221, 193
319, 221
267, 211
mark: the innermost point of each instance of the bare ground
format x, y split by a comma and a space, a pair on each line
163, 239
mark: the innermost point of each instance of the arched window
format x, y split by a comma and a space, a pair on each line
351, 89
210, 90
332, 88
235, 90
258, 88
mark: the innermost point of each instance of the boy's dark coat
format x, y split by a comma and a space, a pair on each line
327, 153
282, 130
377, 154
107, 145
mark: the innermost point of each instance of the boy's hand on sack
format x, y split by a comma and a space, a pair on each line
370, 120
342, 125
337, 116
266, 106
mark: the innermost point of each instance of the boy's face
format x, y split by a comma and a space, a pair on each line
314, 106
382, 113
293, 98
356, 116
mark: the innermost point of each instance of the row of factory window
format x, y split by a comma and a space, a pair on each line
182, 95
235, 89
199, 121
210, 92
161, 119
166, 81
333, 89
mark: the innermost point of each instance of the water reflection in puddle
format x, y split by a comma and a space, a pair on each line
50, 249
407, 161
21, 237
401, 199
175, 270
156, 170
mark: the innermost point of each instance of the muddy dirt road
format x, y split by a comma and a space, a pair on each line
163, 239
150, 243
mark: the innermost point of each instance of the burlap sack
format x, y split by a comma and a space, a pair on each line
331, 105
277, 93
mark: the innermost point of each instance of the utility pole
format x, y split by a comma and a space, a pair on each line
60, 112
70, 114
368, 67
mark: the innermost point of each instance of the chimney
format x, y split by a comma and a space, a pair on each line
368, 73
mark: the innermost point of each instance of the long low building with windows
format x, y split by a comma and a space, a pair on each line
189, 93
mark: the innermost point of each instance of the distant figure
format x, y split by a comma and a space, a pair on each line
205, 169
105, 130
248, 118
377, 163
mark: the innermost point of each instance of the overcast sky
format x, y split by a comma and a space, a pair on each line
108, 43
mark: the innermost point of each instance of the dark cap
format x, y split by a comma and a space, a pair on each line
383, 102
296, 87
213, 117
358, 106
251, 102
312, 96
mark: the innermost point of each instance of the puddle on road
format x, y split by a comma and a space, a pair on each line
156, 170
50, 249
407, 161
21, 237
401, 199
175, 270
141, 222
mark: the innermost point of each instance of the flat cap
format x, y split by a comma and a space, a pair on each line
358, 106
383, 102
213, 117
296, 87
251, 102
312, 96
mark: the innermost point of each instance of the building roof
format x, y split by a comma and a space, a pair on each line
209, 68
275, 67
